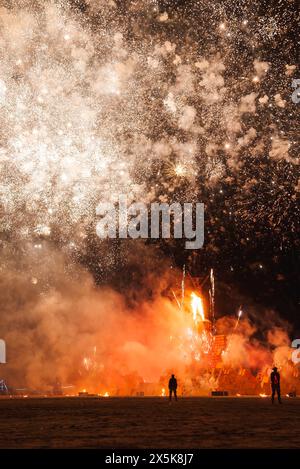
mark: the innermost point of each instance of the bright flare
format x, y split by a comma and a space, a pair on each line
197, 308
180, 170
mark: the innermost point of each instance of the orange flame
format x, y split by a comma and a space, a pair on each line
197, 308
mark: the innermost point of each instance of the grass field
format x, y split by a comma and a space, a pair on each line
149, 423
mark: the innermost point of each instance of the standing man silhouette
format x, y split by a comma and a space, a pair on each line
173, 387
275, 384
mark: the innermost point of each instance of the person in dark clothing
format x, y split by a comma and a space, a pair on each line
275, 384
173, 387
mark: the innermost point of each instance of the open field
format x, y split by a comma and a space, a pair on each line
149, 423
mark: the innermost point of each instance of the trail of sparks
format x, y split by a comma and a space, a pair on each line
91, 108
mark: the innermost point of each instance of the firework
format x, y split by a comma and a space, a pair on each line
122, 100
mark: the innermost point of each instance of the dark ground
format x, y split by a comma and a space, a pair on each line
149, 423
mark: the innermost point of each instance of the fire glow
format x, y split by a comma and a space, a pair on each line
202, 360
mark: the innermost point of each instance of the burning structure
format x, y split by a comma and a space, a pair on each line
206, 356
177, 331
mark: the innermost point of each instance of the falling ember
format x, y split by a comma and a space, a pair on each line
197, 308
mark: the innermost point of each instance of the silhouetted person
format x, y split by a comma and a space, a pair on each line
173, 387
275, 384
